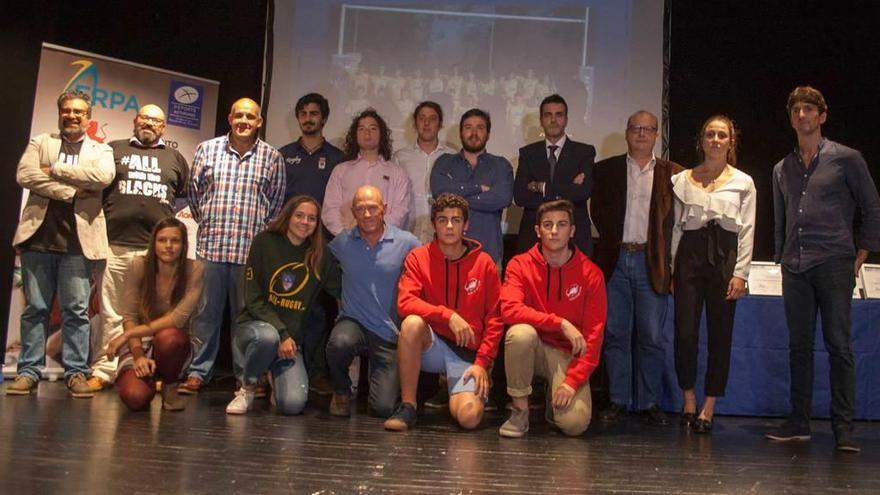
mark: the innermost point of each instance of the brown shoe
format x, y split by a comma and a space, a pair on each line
78, 386
340, 405
97, 383
321, 385
191, 386
23, 385
171, 401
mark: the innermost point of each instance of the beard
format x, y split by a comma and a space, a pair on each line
474, 148
146, 136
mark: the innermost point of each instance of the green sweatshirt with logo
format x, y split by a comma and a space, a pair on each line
278, 286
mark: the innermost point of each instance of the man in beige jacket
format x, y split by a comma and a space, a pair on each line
61, 235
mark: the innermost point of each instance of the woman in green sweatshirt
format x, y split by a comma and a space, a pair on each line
287, 265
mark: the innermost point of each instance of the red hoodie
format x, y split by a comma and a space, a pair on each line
536, 294
433, 287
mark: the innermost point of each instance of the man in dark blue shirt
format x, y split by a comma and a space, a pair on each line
309, 161
817, 190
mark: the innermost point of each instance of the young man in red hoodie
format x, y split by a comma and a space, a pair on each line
448, 298
554, 299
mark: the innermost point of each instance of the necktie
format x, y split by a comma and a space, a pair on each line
551, 157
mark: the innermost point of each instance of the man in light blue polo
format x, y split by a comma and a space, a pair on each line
371, 256
483, 179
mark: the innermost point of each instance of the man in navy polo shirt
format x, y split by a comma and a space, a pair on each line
309, 161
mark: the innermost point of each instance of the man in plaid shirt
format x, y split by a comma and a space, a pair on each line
237, 186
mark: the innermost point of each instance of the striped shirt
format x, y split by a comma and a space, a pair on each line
233, 196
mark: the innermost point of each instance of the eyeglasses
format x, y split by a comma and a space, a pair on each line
638, 129
74, 111
152, 120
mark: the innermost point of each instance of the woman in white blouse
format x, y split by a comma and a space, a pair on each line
712, 249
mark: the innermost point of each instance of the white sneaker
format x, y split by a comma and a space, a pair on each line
242, 402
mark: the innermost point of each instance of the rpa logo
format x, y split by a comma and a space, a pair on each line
86, 80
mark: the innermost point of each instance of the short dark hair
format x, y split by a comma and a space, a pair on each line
557, 205
449, 200
476, 112
315, 98
554, 98
73, 94
806, 94
351, 146
433, 105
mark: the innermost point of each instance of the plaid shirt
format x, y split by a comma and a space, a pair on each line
233, 196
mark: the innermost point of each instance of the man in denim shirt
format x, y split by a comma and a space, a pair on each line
816, 191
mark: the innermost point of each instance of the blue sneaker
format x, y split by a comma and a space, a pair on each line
404, 418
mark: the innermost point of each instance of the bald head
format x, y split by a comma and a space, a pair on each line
368, 208
367, 193
244, 120
149, 124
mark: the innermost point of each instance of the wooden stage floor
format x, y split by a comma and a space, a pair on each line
55, 444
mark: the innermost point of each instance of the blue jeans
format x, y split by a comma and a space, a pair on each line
828, 289
349, 339
633, 304
222, 282
255, 348
42, 274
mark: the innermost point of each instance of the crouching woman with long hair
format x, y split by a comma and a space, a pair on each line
162, 288
287, 265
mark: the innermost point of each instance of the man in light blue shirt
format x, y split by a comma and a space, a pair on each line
484, 179
371, 255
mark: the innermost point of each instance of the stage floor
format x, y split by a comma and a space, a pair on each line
51, 443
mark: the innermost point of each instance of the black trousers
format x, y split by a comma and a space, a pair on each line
704, 264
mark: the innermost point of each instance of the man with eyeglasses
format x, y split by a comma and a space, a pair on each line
554, 168
61, 236
371, 256
632, 208
149, 176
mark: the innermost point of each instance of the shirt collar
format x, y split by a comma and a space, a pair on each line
387, 235
230, 149
633, 163
305, 150
137, 142
559, 143
79, 140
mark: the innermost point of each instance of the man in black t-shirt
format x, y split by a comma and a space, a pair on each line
149, 176
61, 237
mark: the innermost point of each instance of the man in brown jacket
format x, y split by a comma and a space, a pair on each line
632, 208
61, 235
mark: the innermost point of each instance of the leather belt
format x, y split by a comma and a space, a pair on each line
632, 247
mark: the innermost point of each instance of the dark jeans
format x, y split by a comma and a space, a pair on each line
704, 264
349, 339
828, 289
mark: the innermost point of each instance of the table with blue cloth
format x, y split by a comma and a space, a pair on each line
759, 375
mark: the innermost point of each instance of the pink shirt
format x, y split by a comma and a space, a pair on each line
347, 177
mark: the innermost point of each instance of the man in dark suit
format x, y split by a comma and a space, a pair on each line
633, 210
555, 168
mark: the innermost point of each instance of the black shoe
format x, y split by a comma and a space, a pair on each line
845, 443
688, 419
702, 426
441, 398
613, 413
788, 432
654, 416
